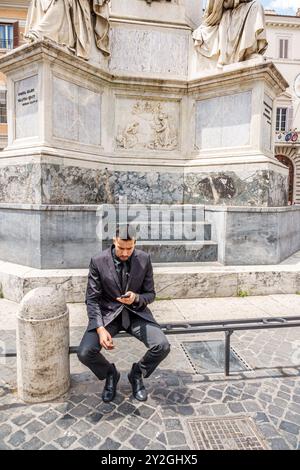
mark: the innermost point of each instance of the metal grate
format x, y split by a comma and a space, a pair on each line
207, 357
238, 433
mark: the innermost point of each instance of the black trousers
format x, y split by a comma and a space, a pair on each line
149, 333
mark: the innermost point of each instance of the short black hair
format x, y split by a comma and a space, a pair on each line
126, 232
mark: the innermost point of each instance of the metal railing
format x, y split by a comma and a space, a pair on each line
228, 327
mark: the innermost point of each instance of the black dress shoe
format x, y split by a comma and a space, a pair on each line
136, 380
110, 388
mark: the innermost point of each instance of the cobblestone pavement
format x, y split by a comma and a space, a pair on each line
269, 392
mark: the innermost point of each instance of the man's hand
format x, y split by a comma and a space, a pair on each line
128, 300
105, 338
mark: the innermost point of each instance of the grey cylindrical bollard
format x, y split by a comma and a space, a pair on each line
43, 365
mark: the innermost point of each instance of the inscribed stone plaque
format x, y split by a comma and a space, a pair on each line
26, 98
149, 51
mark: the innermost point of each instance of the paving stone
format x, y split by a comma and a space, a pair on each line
105, 408
34, 427
34, 444
186, 447
172, 424
139, 442
155, 446
279, 444
293, 417
50, 433
22, 419
185, 410
144, 411
65, 441
296, 398
94, 417
284, 396
92, 401
105, 429
127, 408
175, 438
122, 433
66, 421
116, 418
17, 439
220, 410
133, 422
76, 399
251, 405
162, 438
81, 427
49, 447
110, 444
80, 411
4, 446
49, 416
290, 427
90, 441
5, 430
215, 394
268, 430
176, 397
261, 417
236, 407
150, 430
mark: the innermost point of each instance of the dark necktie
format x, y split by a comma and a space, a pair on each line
125, 313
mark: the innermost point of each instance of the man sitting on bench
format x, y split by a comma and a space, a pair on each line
120, 285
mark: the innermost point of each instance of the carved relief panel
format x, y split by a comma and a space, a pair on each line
147, 125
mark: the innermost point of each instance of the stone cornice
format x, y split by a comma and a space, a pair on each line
266, 70
281, 21
50, 51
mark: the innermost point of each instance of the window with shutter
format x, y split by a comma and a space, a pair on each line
281, 119
283, 48
16, 34
289, 119
6, 36
3, 107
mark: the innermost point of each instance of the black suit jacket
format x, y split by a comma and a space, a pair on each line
104, 286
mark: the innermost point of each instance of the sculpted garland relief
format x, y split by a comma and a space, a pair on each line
151, 126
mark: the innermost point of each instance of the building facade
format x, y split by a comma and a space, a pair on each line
283, 33
13, 15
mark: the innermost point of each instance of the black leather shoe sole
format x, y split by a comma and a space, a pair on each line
136, 394
107, 399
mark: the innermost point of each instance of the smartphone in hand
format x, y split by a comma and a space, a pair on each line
125, 296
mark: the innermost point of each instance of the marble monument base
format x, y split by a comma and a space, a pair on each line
80, 136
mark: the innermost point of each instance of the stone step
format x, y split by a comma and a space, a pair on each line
178, 251
172, 280
187, 230
152, 212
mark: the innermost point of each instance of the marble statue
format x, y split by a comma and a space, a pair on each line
232, 31
70, 23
